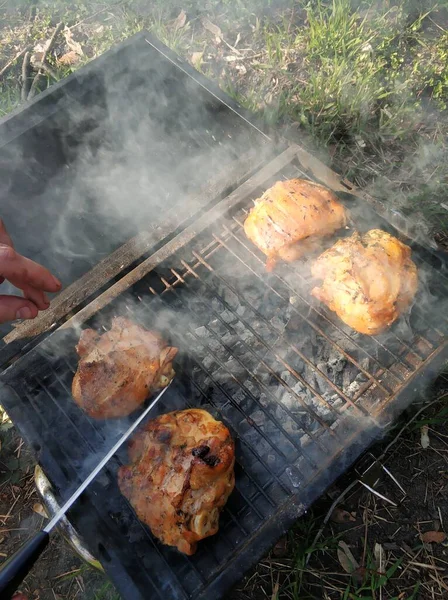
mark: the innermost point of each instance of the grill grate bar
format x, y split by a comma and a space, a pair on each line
304, 318
155, 544
235, 405
327, 316
325, 313
245, 388
90, 447
92, 424
241, 440
60, 409
269, 348
261, 317
306, 176
268, 368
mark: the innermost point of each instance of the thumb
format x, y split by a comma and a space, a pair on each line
15, 307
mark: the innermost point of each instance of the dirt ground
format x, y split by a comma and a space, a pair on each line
368, 549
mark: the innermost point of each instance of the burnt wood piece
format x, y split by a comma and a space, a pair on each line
125, 255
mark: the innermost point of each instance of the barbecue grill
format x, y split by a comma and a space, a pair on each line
302, 394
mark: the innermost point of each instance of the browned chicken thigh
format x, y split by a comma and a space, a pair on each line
368, 280
180, 476
290, 219
119, 369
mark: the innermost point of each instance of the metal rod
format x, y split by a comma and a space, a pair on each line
324, 316
268, 324
65, 507
196, 80
267, 367
313, 325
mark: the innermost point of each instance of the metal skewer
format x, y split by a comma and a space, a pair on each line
16, 568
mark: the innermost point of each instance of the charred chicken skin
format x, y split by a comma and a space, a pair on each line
368, 280
290, 219
180, 476
119, 369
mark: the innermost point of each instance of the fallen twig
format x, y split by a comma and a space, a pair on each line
35, 84
25, 79
46, 67
9, 64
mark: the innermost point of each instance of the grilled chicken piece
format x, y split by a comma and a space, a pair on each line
368, 280
119, 369
180, 476
290, 219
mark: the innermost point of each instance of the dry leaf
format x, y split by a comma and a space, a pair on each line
40, 47
71, 43
36, 58
241, 69
40, 510
339, 515
433, 536
209, 26
69, 59
424, 437
346, 558
280, 550
180, 20
196, 59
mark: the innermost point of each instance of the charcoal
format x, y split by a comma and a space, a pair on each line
352, 389
279, 323
252, 388
295, 477
216, 305
298, 387
288, 378
333, 399
214, 345
337, 363
361, 378
365, 363
228, 316
347, 378
229, 339
208, 362
264, 399
239, 395
310, 377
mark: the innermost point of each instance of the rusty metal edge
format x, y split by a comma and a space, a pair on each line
76, 293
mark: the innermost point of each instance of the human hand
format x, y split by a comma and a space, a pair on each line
33, 279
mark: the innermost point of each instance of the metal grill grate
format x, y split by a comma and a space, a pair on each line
302, 394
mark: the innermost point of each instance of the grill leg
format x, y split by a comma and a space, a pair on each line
64, 527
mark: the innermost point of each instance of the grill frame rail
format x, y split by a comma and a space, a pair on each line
94, 515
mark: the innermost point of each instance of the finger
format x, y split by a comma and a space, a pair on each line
4, 235
22, 271
38, 297
14, 307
